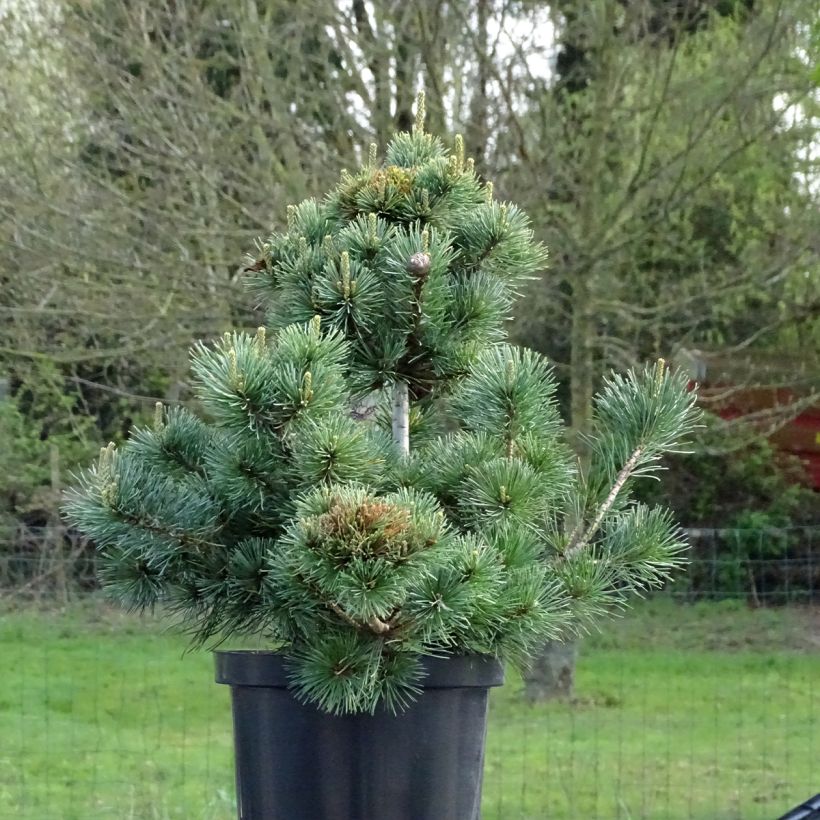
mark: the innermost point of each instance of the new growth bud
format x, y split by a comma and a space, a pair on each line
660, 369
345, 282
418, 127
510, 372
108, 489
234, 376
261, 340
107, 459
109, 493
458, 153
307, 387
159, 413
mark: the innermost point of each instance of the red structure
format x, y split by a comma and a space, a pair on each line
777, 396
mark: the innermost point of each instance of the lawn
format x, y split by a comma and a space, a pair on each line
705, 711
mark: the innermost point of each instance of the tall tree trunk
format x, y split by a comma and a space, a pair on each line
378, 62
476, 136
552, 674
405, 57
582, 361
432, 34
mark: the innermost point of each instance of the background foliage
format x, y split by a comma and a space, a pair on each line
667, 154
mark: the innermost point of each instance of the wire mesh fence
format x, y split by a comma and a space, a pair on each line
702, 702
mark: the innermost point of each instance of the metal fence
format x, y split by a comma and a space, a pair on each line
704, 702
765, 566
52, 563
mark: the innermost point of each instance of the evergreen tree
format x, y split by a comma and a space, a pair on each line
285, 514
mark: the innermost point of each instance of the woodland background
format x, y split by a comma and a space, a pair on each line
666, 151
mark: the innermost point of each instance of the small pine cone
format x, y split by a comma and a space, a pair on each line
419, 264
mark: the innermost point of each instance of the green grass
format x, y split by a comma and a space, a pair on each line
707, 711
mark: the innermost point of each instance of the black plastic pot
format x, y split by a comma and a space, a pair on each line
294, 762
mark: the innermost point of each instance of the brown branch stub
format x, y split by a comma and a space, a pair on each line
258, 265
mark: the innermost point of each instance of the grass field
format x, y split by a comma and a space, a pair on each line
706, 711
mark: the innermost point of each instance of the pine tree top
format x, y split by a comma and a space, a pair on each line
410, 258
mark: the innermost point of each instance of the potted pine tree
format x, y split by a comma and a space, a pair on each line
381, 489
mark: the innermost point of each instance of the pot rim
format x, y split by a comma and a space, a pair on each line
265, 668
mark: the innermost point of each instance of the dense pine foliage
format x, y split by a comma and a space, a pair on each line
294, 509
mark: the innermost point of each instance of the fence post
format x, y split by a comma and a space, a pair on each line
55, 531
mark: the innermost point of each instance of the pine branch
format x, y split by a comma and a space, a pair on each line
577, 541
343, 615
373, 623
186, 539
378, 626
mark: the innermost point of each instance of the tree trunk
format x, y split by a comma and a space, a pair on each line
377, 55
405, 56
476, 136
552, 674
582, 362
54, 538
401, 417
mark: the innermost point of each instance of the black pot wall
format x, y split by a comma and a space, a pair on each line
294, 762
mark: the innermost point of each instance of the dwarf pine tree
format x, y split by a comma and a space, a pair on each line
280, 512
